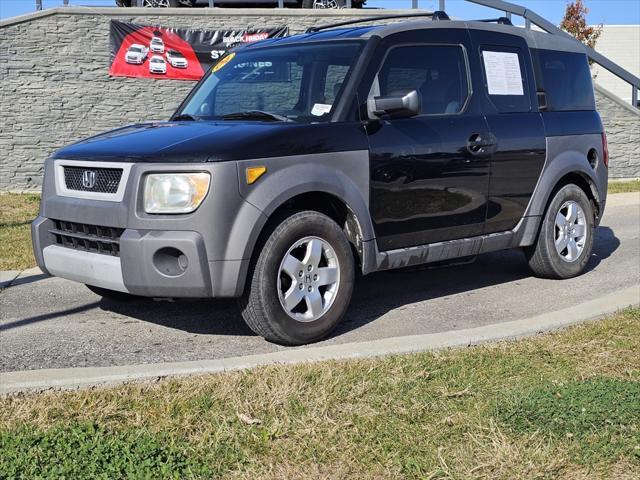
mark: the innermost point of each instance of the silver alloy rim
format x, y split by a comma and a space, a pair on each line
156, 3
325, 4
308, 279
570, 231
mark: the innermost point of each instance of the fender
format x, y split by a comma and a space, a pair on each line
344, 175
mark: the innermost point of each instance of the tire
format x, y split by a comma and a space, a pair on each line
566, 260
112, 294
263, 305
327, 4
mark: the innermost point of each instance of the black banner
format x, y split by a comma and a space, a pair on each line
176, 53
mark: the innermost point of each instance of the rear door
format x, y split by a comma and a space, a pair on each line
429, 183
510, 104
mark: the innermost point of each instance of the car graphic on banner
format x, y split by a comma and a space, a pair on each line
175, 53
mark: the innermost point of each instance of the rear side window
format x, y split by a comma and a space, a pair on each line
505, 78
437, 72
565, 78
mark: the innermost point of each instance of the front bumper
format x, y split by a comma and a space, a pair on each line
200, 255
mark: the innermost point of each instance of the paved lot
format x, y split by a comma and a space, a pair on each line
53, 323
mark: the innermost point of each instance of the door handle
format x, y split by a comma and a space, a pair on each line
481, 144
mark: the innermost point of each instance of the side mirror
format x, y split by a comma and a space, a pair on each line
397, 106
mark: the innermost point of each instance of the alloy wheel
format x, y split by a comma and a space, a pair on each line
570, 231
308, 279
326, 4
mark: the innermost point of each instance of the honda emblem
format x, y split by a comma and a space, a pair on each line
89, 179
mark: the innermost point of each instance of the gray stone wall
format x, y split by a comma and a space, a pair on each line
56, 88
622, 124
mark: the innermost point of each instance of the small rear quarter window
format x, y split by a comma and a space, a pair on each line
565, 78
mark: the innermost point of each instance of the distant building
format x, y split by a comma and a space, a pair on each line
621, 44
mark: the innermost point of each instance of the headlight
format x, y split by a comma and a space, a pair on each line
175, 192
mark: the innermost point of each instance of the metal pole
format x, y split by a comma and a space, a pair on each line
280, 3
38, 4
348, 3
527, 23
441, 6
66, 3
508, 15
634, 96
211, 3
414, 4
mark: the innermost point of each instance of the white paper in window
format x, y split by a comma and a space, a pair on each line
504, 76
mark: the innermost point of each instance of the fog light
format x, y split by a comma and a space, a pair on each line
170, 261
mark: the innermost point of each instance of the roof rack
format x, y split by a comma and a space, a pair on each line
435, 16
499, 20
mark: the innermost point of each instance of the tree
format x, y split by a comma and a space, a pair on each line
575, 24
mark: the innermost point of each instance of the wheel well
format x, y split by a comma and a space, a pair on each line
585, 184
329, 205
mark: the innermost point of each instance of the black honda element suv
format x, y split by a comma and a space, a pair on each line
296, 162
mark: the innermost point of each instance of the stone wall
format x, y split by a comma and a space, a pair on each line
622, 124
56, 89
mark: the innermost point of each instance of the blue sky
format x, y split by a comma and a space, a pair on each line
602, 11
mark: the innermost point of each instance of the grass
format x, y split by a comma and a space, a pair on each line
624, 187
562, 405
16, 213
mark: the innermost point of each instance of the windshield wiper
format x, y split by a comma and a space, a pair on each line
185, 116
256, 115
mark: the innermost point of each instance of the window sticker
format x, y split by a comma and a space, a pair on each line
504, 76
320, 109
223, 62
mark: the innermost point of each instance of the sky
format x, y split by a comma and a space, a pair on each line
608, 12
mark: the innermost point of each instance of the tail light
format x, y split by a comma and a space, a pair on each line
605, 150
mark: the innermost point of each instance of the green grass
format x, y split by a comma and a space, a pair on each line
16, 213
562, 405
624, 187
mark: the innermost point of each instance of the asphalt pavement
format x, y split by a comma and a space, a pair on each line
53, 323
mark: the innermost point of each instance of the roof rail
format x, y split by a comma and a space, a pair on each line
500, 20
435, 16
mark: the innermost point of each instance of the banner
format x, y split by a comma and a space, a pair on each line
174, 53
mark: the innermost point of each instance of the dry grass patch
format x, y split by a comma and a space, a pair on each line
16, 213
430, 415
624, 187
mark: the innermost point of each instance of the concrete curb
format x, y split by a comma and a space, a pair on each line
70, 378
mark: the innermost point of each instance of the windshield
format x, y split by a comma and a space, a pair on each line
135, 49
157, 60
296, 82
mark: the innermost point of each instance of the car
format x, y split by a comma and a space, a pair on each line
156, 45
297, 162
157, 65
242, 3
176, 59
136, 54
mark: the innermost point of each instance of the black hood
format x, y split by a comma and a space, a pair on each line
213, 141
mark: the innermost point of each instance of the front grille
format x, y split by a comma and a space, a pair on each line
89, 238
87, 179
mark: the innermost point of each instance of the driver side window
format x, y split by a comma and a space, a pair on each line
437, 72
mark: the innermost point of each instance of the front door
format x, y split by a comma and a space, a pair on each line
429, 173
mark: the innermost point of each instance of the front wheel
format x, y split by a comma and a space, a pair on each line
301, 283
565, 240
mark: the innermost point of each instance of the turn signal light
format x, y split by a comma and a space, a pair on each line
254, 173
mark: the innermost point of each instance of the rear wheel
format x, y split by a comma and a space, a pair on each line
112, 294
565, 240
301, 283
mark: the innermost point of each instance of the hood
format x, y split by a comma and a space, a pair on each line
213, 141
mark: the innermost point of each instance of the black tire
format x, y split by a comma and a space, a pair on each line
112, 294
333, 3
543, 257
261, 306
